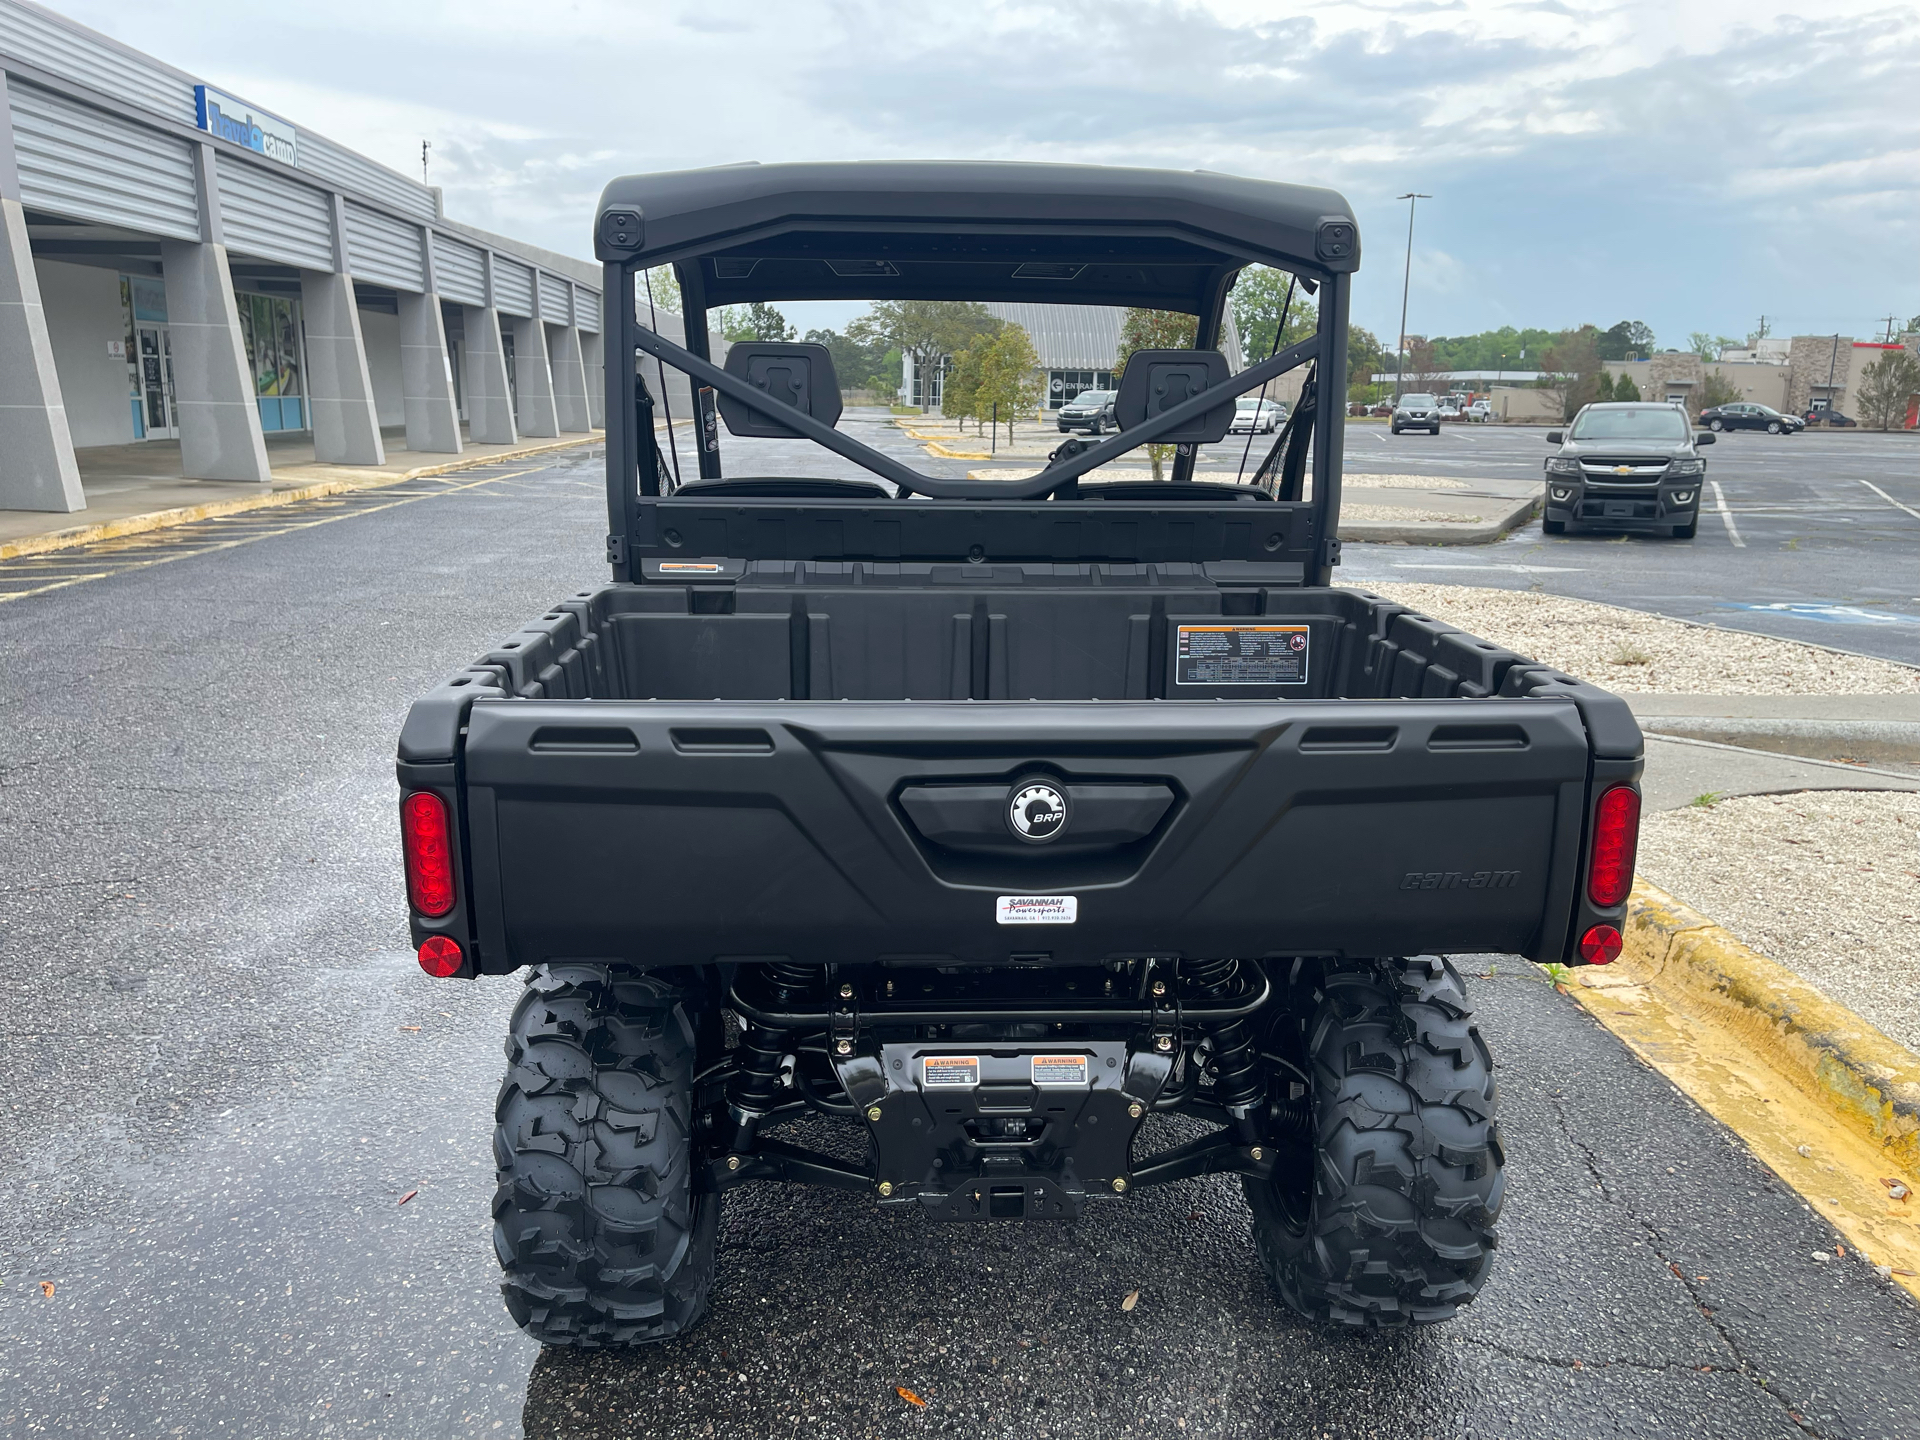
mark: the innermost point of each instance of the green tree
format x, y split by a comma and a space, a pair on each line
1366, 357
1573, 368
1153, 330
1010, 383
928, 330
661, 287
1629, 337
1603, 387
1708, 347
1625, 389
1715, 390
856, 363
960, 390
758, 321
1258, 297
1887, 388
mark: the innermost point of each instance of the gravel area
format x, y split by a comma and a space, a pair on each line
1826, 883
1363, 480
1632, 651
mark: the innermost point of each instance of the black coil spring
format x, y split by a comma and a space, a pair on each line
1239, 1083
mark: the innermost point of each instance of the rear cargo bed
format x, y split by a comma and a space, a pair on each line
813, 763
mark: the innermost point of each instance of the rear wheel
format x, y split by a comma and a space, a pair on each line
599, 1232
1381, 1209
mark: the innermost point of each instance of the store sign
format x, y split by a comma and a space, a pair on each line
226, 118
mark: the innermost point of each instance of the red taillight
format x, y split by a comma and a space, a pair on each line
1599, 946
1616, 834
440, 956
423, 835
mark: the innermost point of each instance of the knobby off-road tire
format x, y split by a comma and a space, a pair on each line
602, 1240
1391, 1221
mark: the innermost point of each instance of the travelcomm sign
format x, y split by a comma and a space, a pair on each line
221, 115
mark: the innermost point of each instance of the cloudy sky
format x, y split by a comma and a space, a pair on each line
1691, 163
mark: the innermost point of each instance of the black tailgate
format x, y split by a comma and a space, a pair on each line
851, 832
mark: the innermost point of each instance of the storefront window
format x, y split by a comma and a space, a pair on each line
1063, 385
271, 328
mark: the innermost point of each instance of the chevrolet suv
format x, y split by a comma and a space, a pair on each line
1626, 467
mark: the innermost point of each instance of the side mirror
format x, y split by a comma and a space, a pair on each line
1556, 437
1705, 437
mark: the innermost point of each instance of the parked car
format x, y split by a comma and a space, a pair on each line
1480, 411
1416, 412
1450, 409
1090, 410
988, 941
1747, 416
1381, 410
1831, 418
1249, 415
1626, 467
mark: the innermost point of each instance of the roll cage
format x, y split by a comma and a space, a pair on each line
961, 231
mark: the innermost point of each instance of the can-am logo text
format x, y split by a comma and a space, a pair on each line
1460, 880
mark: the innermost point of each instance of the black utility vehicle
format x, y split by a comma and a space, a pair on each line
1626, 467
1090, 410
1051, 838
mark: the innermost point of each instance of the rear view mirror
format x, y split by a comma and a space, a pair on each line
1705, 437
1556, 437
1157, 380
800, 376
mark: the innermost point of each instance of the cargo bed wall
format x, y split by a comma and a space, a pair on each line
823, 632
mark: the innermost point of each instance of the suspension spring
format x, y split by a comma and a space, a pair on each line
1240, 1086
753, 1093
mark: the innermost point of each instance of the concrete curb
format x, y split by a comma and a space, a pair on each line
1435, 532
239, 504
1837, 1059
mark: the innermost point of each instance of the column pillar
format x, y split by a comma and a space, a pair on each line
37, 469
220, 436
346, 421
569, 379
489, 401
426, 372
592, 359
533, 378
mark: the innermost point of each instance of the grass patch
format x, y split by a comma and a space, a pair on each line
1706, 800
1625, 654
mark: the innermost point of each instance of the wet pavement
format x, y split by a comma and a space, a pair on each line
224, 1075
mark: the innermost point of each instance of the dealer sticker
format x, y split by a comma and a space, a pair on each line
962, 1071
1059, 1069
1036, 909
1241, 655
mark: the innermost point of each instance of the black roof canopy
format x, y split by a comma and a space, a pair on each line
938, 230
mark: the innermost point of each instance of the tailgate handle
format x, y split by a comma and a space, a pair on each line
1350, 737
974, 817
1478, 737
715, 741
585, 740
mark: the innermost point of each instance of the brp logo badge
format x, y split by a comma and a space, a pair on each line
1037, 810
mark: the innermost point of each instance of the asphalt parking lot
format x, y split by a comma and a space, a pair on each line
248, 1152
1813, 537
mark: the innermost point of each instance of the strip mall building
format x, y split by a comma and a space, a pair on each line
185, 267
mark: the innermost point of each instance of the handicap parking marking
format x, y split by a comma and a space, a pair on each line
1829, 614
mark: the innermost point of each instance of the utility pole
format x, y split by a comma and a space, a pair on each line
1892, 320
1406, 284
1833, 361
1761, 333
425, 146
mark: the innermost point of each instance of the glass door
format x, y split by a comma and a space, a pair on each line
161, 420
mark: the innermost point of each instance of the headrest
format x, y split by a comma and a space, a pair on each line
1157, 380
797, 375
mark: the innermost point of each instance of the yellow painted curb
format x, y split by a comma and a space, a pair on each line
239, 504
1822, 1097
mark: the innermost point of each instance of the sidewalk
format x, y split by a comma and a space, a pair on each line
133, 488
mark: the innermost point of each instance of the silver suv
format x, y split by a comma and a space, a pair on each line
1416, 412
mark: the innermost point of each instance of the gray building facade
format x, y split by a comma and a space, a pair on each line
179, 264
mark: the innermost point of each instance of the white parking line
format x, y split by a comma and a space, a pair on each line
1726, 515
1890, 500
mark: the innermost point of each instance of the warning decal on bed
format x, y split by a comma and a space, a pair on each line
1059, 1069
960, 1070
1241, 655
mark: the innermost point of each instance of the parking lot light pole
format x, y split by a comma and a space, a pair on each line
1400, 356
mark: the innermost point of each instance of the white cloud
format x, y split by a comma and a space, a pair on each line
1590, 159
